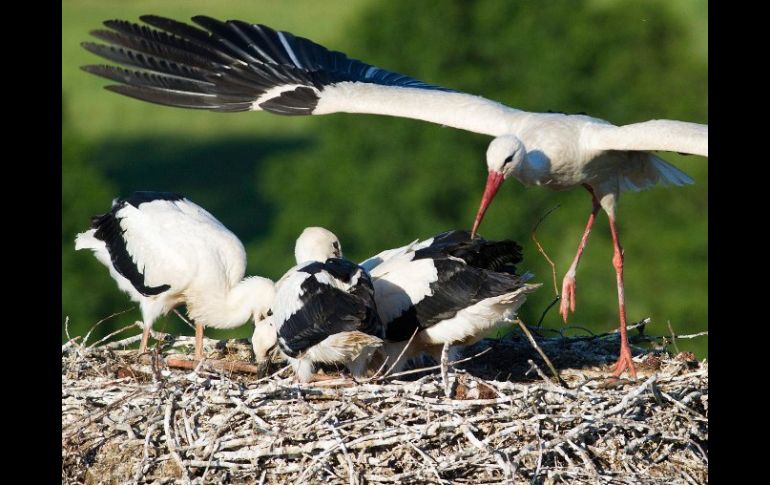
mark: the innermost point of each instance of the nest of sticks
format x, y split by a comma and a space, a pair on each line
498, 415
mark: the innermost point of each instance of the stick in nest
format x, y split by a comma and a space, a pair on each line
445, 370
387, 431
393, 365
85, 339
542, 354
227, 366
542, 251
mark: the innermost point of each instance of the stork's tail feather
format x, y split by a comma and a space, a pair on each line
358, 341
519, 295
342, 347
669, 174
86, 240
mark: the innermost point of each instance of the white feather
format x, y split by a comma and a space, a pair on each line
666, 135
401, 283
179, 244
471, 324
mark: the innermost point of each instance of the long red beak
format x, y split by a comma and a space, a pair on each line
494, 181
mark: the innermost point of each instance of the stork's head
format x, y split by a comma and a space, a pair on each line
317, 244
504, 155
264, 338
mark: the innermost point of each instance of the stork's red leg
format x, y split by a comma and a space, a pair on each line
198, 341
568, 286
145, 338
624, 361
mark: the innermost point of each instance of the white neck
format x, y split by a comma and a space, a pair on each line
232, 308
458, 110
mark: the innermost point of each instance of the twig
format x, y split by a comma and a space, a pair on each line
184, 319
351, 468
693, 335
434, 367
540, 351
85, 339
211, 364
67, 329
584, 456
444, 370
641, 323
673, 336
542, 251
110, 335
145, 453
537, 370
393, 365
545, 312
69, 343
171, 443
242, 429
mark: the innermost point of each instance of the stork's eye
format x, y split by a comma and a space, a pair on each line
508, 159
270, 313
336, 245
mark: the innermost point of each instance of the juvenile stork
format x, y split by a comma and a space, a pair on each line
324, 310
163, 250
452, 289
238, 66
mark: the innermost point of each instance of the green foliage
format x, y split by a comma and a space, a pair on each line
87, 290
380, 182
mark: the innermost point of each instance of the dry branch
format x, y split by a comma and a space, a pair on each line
134, 419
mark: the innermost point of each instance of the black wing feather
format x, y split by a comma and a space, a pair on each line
469, 270
182, 30
145, 61
253, 57
182, 99
327, 310
187, 53
153, 38
108, 229
458, 287
477, 252
147, 79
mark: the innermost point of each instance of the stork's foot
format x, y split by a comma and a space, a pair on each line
568, 300
624, 362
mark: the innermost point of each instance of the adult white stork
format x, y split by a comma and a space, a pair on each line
163, 249
324, 309
237, 66
452, 289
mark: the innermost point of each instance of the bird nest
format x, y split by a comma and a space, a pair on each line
135, 419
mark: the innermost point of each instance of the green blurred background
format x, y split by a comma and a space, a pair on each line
380, 182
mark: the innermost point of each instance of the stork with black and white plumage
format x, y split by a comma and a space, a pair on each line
449, 290
237, 66
163, 250
324, 310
